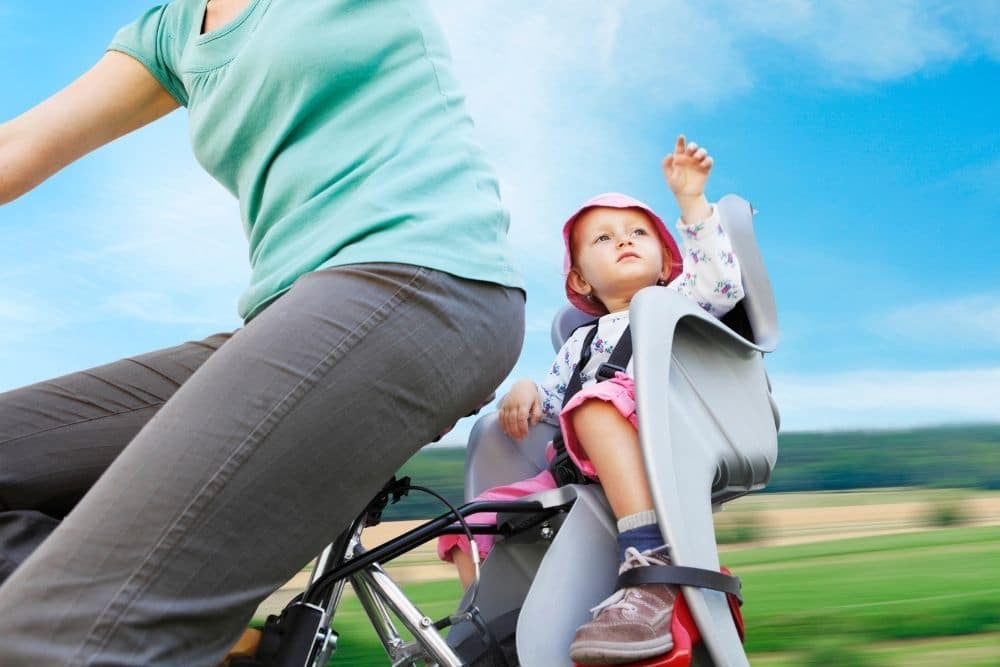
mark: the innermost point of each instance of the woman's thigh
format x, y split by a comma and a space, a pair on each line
58, 436
267, 452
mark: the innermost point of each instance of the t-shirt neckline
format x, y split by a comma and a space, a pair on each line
233, 25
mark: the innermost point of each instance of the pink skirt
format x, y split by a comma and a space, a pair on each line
619, 391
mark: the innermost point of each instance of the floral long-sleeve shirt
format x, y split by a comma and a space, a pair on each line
710, 276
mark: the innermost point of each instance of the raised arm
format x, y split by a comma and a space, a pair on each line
116, 96
711, 272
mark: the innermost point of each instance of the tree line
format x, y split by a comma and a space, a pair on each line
940, 457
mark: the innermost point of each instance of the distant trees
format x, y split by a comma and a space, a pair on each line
942, 457
955, 456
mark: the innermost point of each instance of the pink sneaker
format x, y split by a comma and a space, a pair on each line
632, 624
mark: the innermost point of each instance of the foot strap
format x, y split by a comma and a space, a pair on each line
681, 576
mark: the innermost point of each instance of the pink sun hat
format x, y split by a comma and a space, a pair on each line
614, 200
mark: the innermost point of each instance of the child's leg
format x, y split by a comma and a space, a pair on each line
463, 563
455, 548
612, 445
634, 623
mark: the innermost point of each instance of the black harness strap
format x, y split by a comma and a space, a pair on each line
620, 357
562, 468
682, 576
575, 383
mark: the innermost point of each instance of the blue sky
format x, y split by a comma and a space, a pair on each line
865, 133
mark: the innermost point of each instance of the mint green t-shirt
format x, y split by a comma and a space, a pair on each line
340, 128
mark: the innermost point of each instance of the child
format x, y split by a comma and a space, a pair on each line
616, 246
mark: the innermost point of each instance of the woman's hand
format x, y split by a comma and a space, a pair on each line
686, 172
520, 409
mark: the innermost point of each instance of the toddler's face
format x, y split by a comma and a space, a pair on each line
616, 252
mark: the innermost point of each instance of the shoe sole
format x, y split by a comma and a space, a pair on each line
594, 652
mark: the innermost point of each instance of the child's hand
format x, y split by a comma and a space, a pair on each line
686, 170
520, 409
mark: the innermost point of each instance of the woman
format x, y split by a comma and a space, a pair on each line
147, 506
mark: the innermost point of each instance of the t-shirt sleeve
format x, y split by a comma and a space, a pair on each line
150, 41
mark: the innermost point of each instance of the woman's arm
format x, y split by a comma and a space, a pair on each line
116, 96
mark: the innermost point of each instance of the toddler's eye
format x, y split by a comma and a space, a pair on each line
640, 232
602, 237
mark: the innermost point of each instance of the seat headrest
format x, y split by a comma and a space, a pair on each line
566, 320
758, 307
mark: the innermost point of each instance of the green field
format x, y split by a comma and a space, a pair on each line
854, 498
869, 601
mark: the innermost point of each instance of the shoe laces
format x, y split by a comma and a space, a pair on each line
621, 599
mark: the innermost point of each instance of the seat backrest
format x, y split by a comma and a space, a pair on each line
493, 458
565, 321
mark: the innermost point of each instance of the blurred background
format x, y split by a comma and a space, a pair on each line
865, 133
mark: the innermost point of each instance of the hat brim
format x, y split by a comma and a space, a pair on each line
613, 200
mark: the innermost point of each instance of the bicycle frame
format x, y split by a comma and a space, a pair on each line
302, 636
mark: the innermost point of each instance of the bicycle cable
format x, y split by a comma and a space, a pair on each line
467, 611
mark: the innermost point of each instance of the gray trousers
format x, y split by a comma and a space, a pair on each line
148, 506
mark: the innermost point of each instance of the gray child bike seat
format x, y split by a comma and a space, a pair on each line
708, 431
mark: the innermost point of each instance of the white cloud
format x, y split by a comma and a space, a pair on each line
171, 249
972, 321
880, 41
876, 399
551, 91
558, 89
682, 52
556, 96
979, 20
164, 307
536, 53
876, 41
554, 93
24, 316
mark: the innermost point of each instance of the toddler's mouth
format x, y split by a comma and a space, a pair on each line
626, 255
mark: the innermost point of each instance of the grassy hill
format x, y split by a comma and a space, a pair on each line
946, 456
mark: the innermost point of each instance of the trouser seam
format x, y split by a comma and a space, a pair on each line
144, 575
81, 421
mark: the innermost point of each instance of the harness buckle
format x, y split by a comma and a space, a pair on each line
606, 371
564, 471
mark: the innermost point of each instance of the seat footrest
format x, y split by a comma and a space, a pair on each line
686, 634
